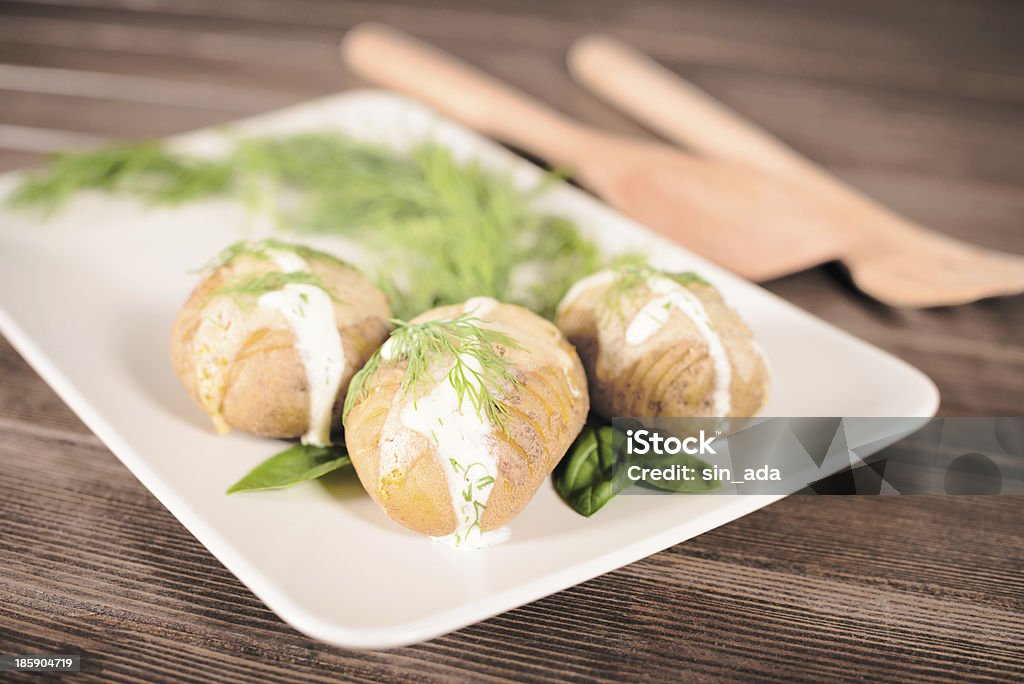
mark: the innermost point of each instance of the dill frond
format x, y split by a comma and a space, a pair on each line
147, 170
252, 286
442, 230
424, 346
632, 276
261, 249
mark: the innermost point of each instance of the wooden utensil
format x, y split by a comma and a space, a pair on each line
889, 256
757, 222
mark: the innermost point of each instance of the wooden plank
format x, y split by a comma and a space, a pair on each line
891, 129
822, 38
238, 82
150, 90
11, 159
123, 120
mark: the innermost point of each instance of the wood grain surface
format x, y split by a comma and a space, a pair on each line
920, 104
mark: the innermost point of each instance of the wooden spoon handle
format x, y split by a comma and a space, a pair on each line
686, 114
673, 107
391, 58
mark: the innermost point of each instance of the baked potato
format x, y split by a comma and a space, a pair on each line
454, 424
659, 344
268, 341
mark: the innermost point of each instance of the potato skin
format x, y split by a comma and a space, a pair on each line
545, 416
266, 391
671, 374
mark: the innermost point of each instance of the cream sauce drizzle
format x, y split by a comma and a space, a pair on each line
309, 313
479, 306
465, 451
288, 262
670, 296
464, 444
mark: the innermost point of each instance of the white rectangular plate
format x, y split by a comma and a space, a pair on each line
88, 298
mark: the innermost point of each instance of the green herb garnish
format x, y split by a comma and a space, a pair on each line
262, 249
442, 230
631, 276
253, 286
424, 346
145, 170
295, 464
467, 496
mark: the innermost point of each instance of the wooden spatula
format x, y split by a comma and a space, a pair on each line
738, 214
889, 257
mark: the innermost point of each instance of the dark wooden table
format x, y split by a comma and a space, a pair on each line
919, 103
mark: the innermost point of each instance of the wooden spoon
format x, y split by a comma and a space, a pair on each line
889, 257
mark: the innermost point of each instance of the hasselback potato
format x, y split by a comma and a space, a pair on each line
270, 338
658, 344
461, 415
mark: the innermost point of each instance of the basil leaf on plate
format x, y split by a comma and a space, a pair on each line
295, 464
593, 471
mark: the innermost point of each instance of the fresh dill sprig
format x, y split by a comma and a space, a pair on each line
631, 276
424, 346
442, 230
252, 286
263, 249
469, 496
689, 279
146, 170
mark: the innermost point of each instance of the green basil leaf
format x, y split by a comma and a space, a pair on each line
295, 464
593, 471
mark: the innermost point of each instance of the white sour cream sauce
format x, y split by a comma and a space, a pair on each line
310, 315
464, 448
479, 306
309, 312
